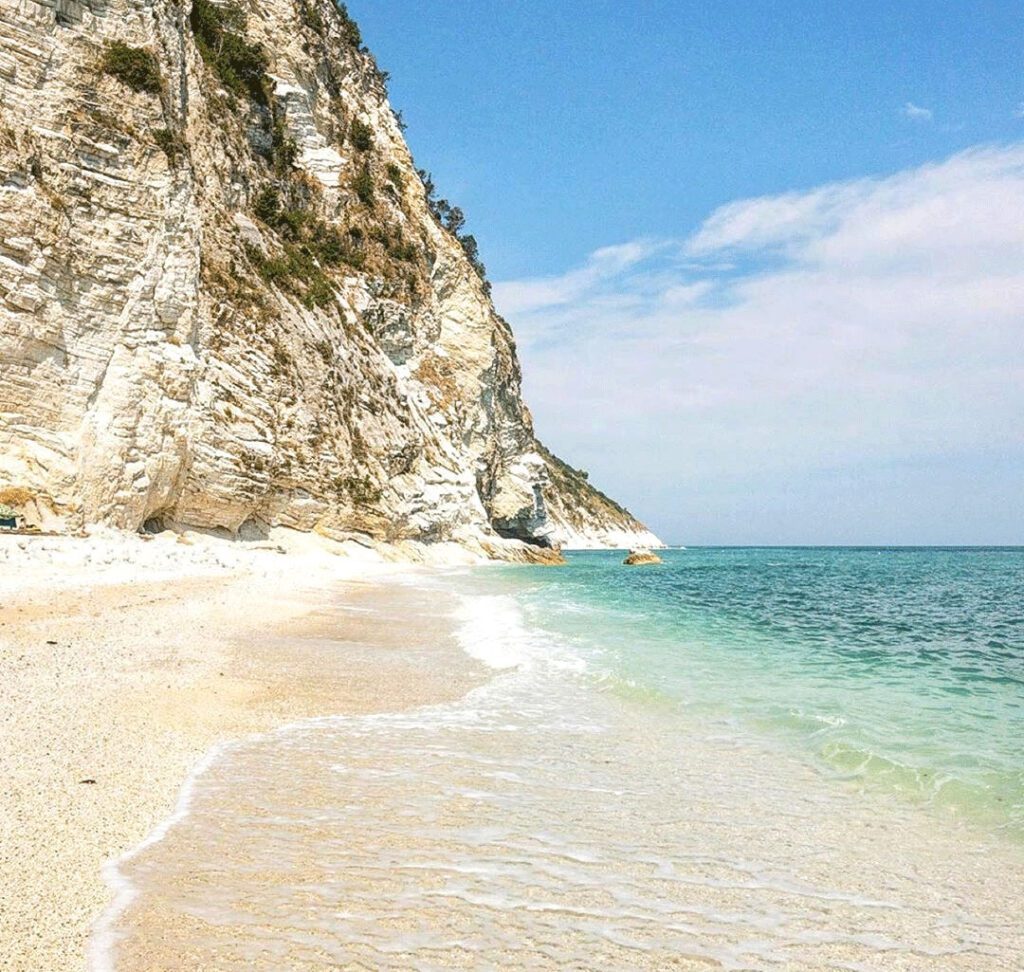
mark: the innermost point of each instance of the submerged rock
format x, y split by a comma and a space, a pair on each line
641, 556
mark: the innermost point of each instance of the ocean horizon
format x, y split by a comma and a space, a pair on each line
829, 546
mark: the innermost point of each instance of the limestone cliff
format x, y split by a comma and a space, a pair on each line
228, 300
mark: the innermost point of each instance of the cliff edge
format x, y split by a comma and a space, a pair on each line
229, 300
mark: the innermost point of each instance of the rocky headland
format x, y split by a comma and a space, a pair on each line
230, 301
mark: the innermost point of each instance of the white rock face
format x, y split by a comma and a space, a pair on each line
606, 539
172, 352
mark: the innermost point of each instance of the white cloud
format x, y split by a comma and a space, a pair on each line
604, 264
878, 320
917, 113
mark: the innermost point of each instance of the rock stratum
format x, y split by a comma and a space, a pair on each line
229, 301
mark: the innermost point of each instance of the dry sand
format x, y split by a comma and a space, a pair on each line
124, 660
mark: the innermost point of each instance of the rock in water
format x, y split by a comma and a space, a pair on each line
229, 300
641, 556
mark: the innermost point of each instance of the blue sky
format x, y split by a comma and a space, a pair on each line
770, 250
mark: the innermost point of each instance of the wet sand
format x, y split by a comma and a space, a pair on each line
547, 820
123, 663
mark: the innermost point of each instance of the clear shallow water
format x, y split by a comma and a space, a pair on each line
902, 668
657, 777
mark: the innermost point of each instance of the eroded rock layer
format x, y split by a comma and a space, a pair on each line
228, 301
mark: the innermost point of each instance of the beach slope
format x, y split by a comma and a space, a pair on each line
125, 660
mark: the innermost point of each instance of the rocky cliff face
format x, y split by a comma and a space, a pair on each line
228, 301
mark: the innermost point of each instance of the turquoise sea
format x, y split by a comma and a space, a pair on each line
900, 668
743, 759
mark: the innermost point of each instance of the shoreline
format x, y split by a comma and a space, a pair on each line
219, 702
128, 664
543, 818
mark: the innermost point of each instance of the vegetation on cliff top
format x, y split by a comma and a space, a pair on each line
349, 28
311, 246
453, 219
581, 500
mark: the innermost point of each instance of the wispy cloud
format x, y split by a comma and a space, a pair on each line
917, 113
608, 263
864, 321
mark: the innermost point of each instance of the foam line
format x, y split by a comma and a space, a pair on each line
101, 953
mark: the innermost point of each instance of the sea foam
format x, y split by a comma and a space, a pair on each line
101, 951
493, 629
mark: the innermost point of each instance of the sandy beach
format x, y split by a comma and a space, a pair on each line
553, 813
125, 659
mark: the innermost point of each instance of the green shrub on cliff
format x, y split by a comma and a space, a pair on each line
295, 271
284, 149
219, 33
311, 16
132, 66
472, 251
403, 250
267, 205
308, 247
349, 28
172, 143
361, 135
454, 220
363, 186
